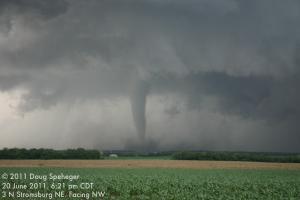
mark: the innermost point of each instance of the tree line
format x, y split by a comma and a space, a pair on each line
238, 156
45, 154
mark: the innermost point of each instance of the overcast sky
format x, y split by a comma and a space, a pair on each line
162, 74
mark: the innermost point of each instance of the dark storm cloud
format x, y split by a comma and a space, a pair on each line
170, 36
237, 58
9, 82
250, 96
47, 9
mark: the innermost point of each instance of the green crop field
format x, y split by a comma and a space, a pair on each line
156, 183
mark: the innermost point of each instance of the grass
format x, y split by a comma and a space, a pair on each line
175, 183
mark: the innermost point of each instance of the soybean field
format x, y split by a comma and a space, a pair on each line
152, 183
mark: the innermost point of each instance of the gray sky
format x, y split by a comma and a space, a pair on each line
162, 74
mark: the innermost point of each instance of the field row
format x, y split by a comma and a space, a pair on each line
148, 164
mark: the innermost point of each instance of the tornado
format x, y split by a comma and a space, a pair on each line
138, 107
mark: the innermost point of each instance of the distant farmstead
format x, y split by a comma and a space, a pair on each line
113, 155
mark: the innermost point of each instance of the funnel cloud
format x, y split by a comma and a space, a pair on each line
150, 74
138, 106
